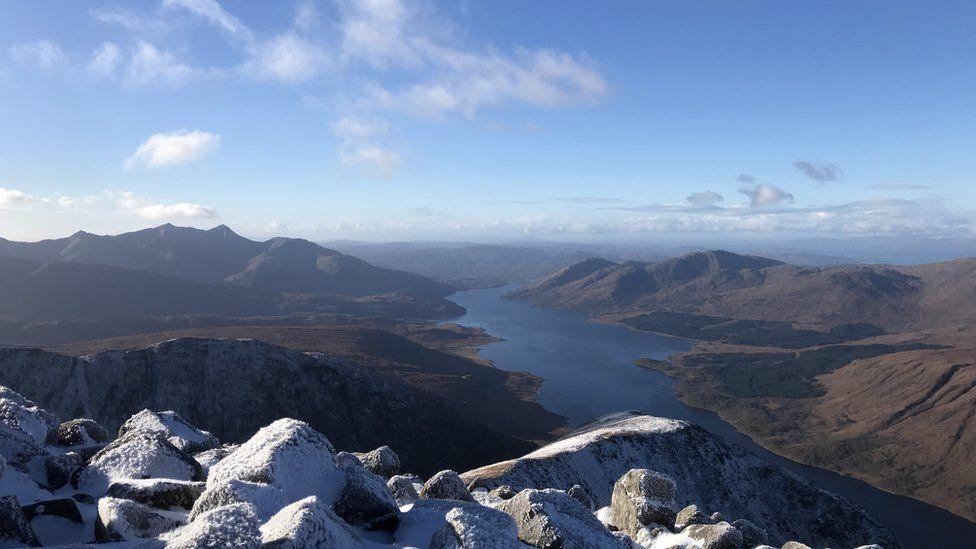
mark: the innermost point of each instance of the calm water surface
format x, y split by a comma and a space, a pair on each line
589, 371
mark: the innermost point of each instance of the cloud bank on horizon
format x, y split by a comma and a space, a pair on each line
385, 82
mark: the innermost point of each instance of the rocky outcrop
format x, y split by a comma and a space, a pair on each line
551, 519
173, 428
642, 497
136, 455
706, 470
158, 493
446, 485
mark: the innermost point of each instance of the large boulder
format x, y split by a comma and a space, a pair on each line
137, 455
264, 499
365, 501
122, 519
227, 526
642, 497
551, 519
752, 535
446, 485
161, 493
714, 536
65, 508
382, 461
173, 427
24, 427
308, 523
402, 488
81, 432
209, 458
708, 471
15, 530
476, 527
59, 467
288, 456
691, 514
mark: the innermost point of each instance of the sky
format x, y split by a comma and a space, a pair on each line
402, 119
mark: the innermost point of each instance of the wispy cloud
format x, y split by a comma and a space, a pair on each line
825, 172
765, 194
128, 201
899, 187
172, 149
703, 199
13, 199
104, 60
43, 54
589, 200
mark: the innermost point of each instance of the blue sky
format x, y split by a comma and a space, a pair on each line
396, 119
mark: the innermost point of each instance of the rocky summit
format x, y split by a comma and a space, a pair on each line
624, 481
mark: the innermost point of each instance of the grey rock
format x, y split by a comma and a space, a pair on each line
691, 515
382, 461
15, 530
642, 497
65, 508
122, 519
158, 492
551, 519
752, 535
402, 488
59, 467
347, 458
136, 454
506, 492
580, 494
445, 485
81, 432
263, 499
717, 517
715, 536
308, 523
476, 527
795, 545
365, 500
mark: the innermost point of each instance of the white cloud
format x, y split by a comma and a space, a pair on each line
214, 13
353, 127
287, 58
174, 148
148, 209
765, 194
14, 199
151, 66
373, 31
379, 161
43, 53
77, 202
104, 60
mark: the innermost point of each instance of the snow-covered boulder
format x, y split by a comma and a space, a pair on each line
289, 456
173, 427
476, 527
402, 488
365, 501
15, 530
227, 526
552, 519
264, 499
122, 519
24, 427
161, 493
209, 458
708, 471
308, 523
137, 455
59, 467
382, 461
446, 485
714, 536
642, 497
81, 432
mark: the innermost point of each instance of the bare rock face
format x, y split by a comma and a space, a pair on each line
642, 497
122, 519
81, 432
446, 485
365, 500
173, 428
158, 493
227, 526
382, 461
476, 527
136, 455
551, 519
708, 472
15, 530
308, 523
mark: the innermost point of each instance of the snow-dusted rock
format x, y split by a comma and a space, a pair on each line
288, 455
714, 536
365, 501
227, 526
707, 470
308, 523
795, 545
24, 427
347, 458
65, 508
382, 461
209, 458
445, 485
476, 527
15, 531
138, 455
551, 519
691, 514
58, 468
81, 432
752, 535
402, 488
161, 493
264, 499
506, 492
578, 493
122, 519
642, 497
173, 427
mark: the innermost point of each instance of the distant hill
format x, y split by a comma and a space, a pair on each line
220, 255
